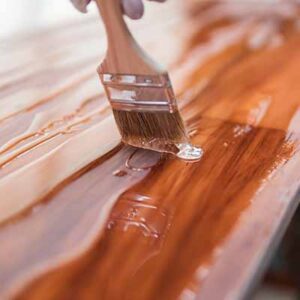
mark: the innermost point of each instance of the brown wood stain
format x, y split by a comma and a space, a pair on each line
177, 229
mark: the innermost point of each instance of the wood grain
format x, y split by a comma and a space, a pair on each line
134, 224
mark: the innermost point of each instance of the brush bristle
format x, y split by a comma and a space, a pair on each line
137, 127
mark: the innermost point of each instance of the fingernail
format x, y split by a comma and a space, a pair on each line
81, 5
134, 9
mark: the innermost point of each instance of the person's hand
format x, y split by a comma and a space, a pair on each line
134, 9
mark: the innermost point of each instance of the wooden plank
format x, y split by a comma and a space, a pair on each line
136, 224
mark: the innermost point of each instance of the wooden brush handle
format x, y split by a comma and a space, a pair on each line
124, 55
112, 16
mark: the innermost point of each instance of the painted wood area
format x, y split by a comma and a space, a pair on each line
84, 217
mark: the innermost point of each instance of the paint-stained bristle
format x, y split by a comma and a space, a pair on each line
137, 127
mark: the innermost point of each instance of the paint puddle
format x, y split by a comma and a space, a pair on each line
189, 152
142, 160
141, 212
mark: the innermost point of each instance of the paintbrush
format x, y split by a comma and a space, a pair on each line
140, 92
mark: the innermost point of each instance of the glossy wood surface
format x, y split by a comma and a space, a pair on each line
134, 224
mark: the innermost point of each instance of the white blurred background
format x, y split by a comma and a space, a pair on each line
19, 16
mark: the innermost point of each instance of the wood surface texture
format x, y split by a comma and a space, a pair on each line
84, 217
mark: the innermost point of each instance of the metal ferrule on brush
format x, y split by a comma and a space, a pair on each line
128, 92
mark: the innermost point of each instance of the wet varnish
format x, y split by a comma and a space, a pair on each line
80, 223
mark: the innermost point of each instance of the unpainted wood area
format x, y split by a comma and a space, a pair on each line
84, 217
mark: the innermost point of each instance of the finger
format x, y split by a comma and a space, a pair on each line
81, 4
158, 0
134, 9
